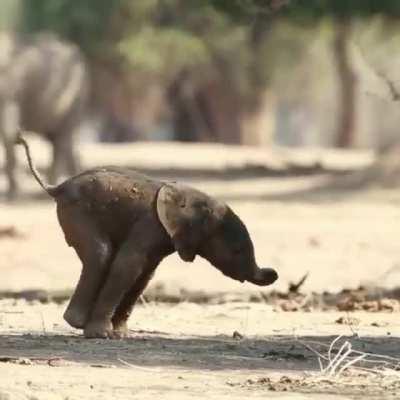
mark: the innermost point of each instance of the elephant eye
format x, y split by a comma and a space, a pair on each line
237, 250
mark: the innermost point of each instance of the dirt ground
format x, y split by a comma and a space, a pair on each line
199, 334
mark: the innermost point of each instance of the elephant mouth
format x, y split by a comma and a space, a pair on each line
264, 277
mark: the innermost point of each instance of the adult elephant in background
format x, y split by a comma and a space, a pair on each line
44, 87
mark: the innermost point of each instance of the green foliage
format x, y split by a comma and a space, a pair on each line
306, 10
233, 39
85, 21
9, 14
166, 37
92, 23
160, 38
163, 51
247, 10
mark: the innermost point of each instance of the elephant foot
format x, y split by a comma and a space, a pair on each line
12, 193
99, 330
77, 319
121, 330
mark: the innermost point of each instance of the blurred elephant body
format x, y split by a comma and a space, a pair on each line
44, 88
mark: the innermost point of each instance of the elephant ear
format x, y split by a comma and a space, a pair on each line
188, 216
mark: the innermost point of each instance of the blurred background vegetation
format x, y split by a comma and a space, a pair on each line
258, 72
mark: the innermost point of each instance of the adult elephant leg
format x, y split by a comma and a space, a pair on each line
73, 164
58, 159
65, 159
95, 251
10, 166
9, 126
125, 307
72, 160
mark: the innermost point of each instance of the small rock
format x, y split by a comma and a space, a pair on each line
389, 305
314, 242
289, 306
348, 321
379, 324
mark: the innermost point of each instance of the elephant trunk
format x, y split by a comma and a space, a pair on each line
263, 276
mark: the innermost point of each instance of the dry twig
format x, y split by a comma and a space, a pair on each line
295, 287
347, 358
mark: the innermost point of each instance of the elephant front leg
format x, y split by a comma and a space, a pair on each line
130, 271
124, 309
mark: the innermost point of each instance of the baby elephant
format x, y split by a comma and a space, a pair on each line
122, 224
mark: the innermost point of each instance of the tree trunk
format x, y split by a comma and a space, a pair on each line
347, 85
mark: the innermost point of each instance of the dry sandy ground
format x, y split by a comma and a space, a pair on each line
190, 351
343, 239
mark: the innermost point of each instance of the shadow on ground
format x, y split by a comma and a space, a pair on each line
157, 349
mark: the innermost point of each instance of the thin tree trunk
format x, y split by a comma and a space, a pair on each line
347, 85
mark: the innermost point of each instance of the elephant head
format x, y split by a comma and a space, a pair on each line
201, 225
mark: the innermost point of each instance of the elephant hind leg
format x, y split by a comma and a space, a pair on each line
95, 251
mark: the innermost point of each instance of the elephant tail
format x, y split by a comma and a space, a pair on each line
49, 189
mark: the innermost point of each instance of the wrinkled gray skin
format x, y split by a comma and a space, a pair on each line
122, 224
43, 88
